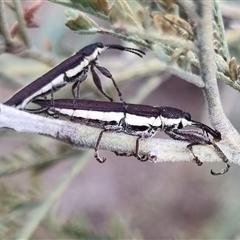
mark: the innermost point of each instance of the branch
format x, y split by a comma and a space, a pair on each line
80, 136
45, 58
208, 73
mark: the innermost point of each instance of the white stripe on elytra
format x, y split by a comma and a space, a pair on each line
175, 121
58, 80
93, 115
76, 70
87, 59
130, 119
136, 120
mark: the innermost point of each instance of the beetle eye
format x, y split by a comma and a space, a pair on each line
100, 45
187, 116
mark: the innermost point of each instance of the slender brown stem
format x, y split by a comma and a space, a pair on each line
21, 23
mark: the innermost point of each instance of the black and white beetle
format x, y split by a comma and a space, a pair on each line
74, 69
142, 121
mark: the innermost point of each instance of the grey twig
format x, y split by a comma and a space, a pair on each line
208, 73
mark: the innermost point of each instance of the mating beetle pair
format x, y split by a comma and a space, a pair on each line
134, 119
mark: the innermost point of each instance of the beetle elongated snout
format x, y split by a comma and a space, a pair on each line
214, 133
122, 48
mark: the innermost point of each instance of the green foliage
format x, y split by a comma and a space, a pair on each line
14, 206
80, 228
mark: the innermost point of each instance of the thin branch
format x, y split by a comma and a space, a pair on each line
154, 67
28, 17
187, 76
189, 7
21, 23
120, 35
228, 81
220, 75
79, 136
208, 72
172, 42
4, 30
15, 48
45, 58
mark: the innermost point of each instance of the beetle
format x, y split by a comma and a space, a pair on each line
72, 70
138, 120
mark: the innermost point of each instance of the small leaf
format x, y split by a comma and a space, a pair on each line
238, 71
222, 66
184, 60
124, 15
79, 21
104, 6
96, 5
166, 4
90, 6
233, 69
172, 25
